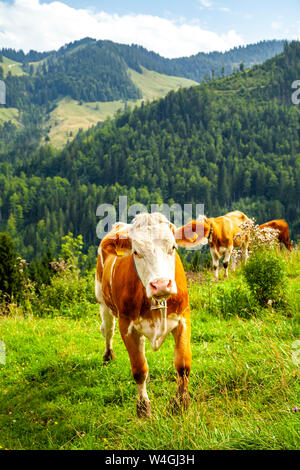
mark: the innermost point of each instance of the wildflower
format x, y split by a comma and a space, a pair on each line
295, 409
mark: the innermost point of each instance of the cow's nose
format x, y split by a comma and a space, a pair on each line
161, 287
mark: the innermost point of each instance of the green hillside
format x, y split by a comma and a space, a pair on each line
156, 85
70, 115
232, 143
9, 114
12, 66
90, 71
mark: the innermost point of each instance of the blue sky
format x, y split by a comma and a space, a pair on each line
171, 28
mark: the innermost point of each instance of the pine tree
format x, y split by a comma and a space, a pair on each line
10, 278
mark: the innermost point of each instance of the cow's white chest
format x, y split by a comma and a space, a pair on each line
156, 330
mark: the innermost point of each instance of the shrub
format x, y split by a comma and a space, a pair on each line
65, 290
14, 282
265, 275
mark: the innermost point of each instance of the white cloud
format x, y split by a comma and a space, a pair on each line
205, 3
29, 24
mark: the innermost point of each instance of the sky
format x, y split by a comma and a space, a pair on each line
172, 28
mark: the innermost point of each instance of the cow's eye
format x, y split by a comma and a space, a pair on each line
136, 253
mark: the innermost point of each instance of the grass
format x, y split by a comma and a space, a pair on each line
9, 114
156, 85
56, 394
69, 116
12, 66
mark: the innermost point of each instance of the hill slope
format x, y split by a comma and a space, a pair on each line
232, 144
102, 71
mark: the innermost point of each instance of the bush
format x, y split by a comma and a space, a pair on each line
14, 283
65, 290
265, 275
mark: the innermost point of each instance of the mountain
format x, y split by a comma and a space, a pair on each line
230, 143
93, 54
60, 87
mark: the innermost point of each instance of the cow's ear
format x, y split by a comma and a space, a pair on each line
191, 234
123, 243
172, 227
117, 242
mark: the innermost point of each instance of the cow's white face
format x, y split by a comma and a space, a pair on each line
153, 247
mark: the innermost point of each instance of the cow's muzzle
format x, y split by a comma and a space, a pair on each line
162, 287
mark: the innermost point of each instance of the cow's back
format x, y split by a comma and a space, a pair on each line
283, 231
237, 219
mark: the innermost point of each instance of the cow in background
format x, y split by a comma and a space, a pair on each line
221, 235
283, 231
141, 281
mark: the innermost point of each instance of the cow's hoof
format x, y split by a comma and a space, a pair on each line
180, 403
143, 409
109, 355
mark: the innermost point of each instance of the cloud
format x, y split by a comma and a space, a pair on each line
29, 24
210, 6
205, 3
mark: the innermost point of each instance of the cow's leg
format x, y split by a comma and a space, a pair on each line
183, 358
246, 249
226, 261
135, 345
246, 253
215, 257
107, 329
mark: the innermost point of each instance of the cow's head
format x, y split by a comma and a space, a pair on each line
152, 240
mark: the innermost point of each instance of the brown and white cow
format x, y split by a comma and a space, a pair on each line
220, 233
141, 281
283, 231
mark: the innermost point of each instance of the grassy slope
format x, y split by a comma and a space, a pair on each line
155, 85
9, 114
244, 384
69, 116
12, 66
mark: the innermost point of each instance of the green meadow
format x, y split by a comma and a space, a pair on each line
244, 384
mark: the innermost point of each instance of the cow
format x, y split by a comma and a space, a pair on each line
283, 231
222, 234
141, 281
